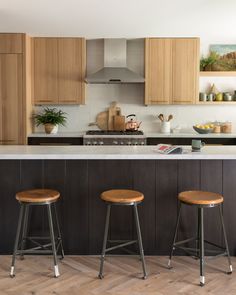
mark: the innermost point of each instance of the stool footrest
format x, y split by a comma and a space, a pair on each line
194, 252
126, 243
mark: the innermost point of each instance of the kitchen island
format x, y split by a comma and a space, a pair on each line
81, 173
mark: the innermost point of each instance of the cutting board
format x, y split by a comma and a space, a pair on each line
112, 111
119, 123
101, 121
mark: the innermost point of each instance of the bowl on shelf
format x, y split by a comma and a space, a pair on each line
202, 130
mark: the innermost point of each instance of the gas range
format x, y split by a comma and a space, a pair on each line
101, 137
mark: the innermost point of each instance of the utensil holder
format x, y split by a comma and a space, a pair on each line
165, 127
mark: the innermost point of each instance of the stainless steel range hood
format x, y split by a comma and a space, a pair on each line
115, 65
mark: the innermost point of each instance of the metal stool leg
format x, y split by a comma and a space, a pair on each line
100, 275
59, 232
226, 242
56, 270
202, 277
24, 231
140, 240
19, 226
198, 235
175, 235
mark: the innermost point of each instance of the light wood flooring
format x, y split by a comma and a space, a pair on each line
34, 276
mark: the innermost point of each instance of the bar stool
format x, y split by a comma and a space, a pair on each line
122, 198
201, 200
37, 197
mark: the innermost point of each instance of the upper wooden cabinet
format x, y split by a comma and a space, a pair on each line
59, 70
171, 70
11, 43
185, 70
45, 70
158, 71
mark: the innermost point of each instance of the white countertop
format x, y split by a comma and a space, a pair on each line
152, 134
59, 134
111, 153
191, 135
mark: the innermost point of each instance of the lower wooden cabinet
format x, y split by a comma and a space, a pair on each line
171, 70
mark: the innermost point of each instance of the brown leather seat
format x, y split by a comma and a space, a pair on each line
200, 198
122, 196
38, 196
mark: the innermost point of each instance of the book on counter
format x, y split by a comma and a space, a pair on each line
168, 149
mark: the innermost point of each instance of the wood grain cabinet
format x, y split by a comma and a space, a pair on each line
171, 70
58, 70
15, 110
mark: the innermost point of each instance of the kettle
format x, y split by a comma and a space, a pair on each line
132, 124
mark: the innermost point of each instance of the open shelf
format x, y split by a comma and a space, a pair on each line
216, 103
218, 74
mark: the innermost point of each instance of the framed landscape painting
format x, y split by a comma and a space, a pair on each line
225, 57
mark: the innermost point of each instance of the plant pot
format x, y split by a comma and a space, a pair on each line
50, 128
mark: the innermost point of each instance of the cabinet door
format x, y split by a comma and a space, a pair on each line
185, 70
11, 43
45, 67
11, 129
71, 70
158, 71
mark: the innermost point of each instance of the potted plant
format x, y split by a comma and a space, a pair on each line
51, 118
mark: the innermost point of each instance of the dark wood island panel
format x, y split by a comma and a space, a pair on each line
82, 213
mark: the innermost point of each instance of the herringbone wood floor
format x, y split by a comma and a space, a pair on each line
122, 276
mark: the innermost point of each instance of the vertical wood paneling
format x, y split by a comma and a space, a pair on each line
211, 180
229, 193
32, 178
166, 204
9, 209
76, 208
144, 181
188, 179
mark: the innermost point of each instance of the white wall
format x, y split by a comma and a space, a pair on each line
213, 21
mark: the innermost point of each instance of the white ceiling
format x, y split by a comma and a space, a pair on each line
120, 18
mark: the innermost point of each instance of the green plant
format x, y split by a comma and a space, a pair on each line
50, 116
211, 59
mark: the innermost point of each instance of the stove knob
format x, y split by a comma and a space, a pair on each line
94, 143
115, 142
88, 143
101, 142
142, 143
121, 143
129, 142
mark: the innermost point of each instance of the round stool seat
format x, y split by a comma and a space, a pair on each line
200, 198
38, 196
122, 196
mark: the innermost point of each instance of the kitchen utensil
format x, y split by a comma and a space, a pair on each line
170, 118
202, 131
119, 123
112, 111
227, 96
161, 117
197, 145
219, 96
101, 121
226, 127
165, 127
202, 96
132, 124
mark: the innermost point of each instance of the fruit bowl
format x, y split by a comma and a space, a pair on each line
202, 130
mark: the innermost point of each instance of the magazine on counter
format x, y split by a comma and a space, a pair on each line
168, 149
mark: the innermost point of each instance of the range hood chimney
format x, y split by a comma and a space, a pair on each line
115, 65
